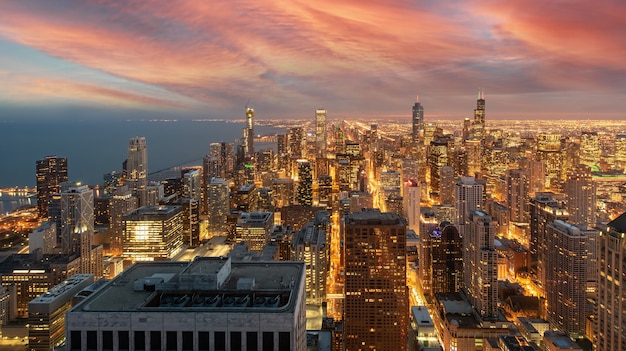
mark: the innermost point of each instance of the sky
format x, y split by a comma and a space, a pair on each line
207, 59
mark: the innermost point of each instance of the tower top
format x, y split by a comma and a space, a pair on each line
481, 94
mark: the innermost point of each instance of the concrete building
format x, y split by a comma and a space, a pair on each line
376, 297
43, 239
46, 313
207, 304
77, 222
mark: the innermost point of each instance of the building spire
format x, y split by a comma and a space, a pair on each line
417, 97
481, 94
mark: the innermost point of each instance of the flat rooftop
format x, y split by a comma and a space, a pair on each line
205, 284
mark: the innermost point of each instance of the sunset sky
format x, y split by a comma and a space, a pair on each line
206, 59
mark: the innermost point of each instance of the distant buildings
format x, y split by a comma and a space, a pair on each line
51, 171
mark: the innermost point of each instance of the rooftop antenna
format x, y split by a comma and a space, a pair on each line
247, 102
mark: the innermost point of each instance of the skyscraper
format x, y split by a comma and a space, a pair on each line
611, 314
566, 276
153, 233
248, 133
417, 120
305, 183
517, 195
446, 259
137, 168
581, 196
77, 222
122, 202
50, 171
376, 299
320, 132
468, 197
218, 205
480, 261
590, 150
479, 116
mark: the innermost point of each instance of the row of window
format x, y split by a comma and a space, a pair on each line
153, 340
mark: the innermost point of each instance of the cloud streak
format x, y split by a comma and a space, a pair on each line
354, 58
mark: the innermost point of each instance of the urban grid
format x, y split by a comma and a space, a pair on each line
344, 235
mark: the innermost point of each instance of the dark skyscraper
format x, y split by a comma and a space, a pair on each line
479, 116
418, 119
51, 171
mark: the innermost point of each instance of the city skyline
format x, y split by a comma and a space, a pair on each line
88, 59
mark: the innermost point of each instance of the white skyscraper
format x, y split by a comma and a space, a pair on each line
411, 204
468, 197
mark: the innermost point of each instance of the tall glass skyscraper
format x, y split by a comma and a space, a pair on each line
51, 171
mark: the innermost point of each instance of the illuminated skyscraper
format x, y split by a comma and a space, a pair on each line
309, 245
77, 222
468, 197
590, 150
611, 314
581, 197
418, 119
137, 169
517, 195
480, 261
320, 132
566, 276
305, 183
549, 150
446, 259
411, 204
122, 202
218, 205
153, 233
255, 228
51, 172
248, 133
478, 125
297, 142
376, 298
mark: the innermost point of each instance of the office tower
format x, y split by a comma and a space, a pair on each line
218, 198
544, 209
478, 125
473, 155
305, 183
590, 150
325, 190
581, 196
297, 142
122, 202
417, 120
46, 313
154, 193
566, 276
480, 261
549, 150
43, 239
77, 221
446, 259
375, 256
51, 172
437, 159
446, 185
191, 179
137, 168
234, 306
190, 217
517, 190
468, 197
536, 174
248, 133
611, 314
467, 127
254, 228
320, 132
152, 233
620, 152
411, 204
309, 245
284, 191
431, 131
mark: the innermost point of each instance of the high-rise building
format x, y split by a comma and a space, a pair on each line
566, 276
218, 198
620, 152
297, 143
191, 179
437, 159
43, 239
517, 195
153, 233
611, 314
446, 259
77, 222
468, 197
51, 172
418, 120
411, 204
581, 196
376, 298
137, 168
478, 125
590, 149
255, 229
320, 132
46, 313
549, 150
446, 185
122, 202
480, 261
248, 133
305, 183
473, 155
309, 245
210, 303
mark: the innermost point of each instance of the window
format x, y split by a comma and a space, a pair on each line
170, 341
92, 340
187, 341
140, 340
268, 340
155, 340
203, 341
75, 340
284, 339
123, 339
235, 341
107, 340
220, 341
252, 341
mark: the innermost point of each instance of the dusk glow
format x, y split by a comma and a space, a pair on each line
195, 59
